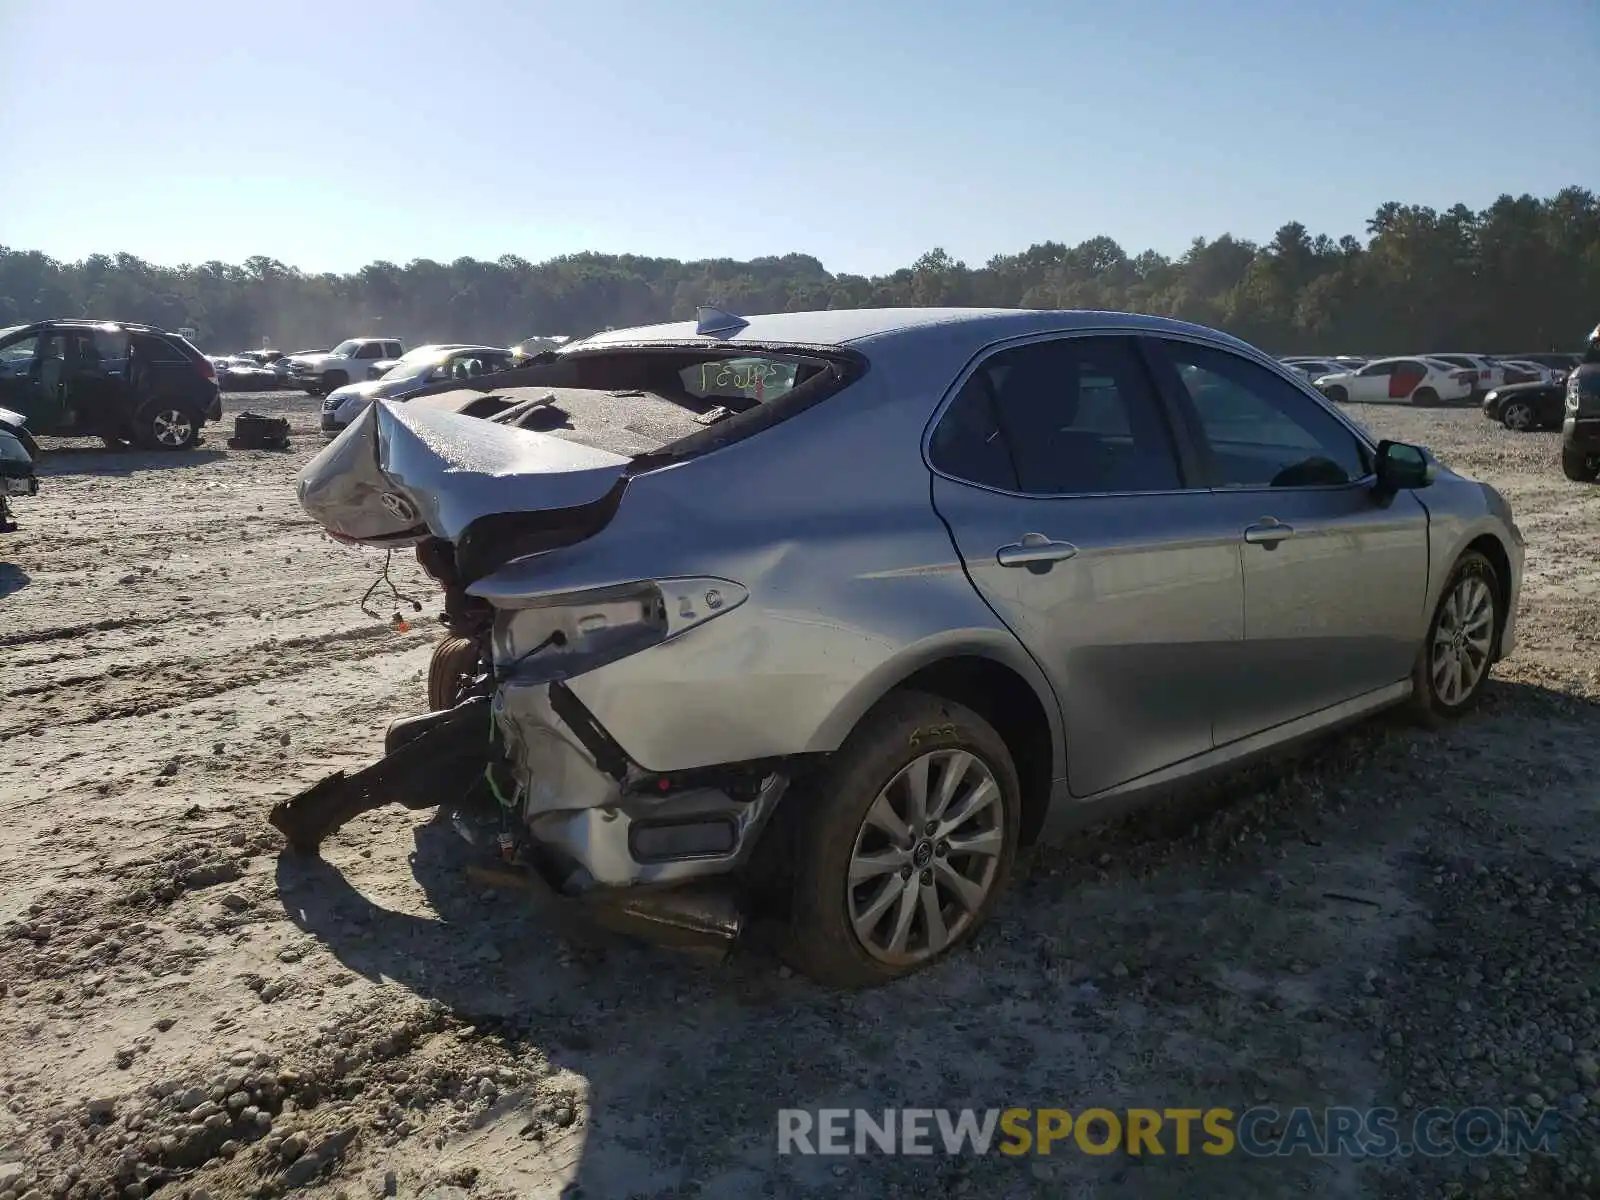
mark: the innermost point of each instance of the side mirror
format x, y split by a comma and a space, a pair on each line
1402, 466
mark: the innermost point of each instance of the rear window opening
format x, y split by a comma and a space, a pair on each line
661, 403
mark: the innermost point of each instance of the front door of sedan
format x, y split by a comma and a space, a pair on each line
1370, 384
1335, 582
1058, 477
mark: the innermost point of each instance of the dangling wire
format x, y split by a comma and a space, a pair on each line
397, 619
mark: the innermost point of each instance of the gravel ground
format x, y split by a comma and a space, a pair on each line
1398, 918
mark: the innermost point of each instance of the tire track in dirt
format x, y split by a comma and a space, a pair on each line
157, 686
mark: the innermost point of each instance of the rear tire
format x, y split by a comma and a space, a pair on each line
452, 659
168, 425
917, 884
1424, 397
1452, 667
1578, 466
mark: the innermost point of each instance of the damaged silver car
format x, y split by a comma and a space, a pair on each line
837, 611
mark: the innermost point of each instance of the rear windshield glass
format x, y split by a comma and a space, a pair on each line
739, 378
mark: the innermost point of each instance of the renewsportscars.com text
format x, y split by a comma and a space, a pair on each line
1262, 1131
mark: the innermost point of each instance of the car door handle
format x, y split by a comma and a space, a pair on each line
1268, 533
1032, 549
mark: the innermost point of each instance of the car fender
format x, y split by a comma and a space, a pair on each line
1460, 511
993, 642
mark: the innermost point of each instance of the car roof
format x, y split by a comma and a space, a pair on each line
864, 327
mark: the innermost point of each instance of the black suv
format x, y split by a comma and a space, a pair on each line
1580, 429
115, 380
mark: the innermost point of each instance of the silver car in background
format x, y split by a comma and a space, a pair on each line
409, 375
837, 611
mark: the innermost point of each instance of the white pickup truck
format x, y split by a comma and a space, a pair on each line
347, 362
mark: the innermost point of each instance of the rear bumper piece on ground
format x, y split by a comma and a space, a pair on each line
658, 867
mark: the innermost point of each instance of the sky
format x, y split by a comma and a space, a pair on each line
328, 135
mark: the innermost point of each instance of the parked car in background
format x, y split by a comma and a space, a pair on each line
116, 380
461, 364
241, 373
1522, 370
1062, 561
1521, 407
531, 347
1315, 368
1580, 426
1417, 381
420, 354
1555, 360
1488, 373
18, 453
319, 374
283, 367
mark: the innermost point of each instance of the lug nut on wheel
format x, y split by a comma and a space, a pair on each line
927, 877
931, 828
942, 849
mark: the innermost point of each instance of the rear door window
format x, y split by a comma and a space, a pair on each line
1074, 416
158, 350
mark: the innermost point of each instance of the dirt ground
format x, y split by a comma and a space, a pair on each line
1400, 918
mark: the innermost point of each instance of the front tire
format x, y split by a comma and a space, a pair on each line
1579, 466
168, 425
906, 844
1452, 667
1337, 394
332, 380
1518, 417
453, 659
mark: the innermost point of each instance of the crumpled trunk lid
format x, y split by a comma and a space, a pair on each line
400, 473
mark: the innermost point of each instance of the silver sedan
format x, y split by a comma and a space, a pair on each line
837, 611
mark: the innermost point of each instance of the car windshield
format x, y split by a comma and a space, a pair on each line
345, 348
410, 367
739, 378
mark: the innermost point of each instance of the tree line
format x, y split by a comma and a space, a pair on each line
1522, 274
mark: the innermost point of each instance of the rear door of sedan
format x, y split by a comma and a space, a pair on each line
1335, 578
1077, 517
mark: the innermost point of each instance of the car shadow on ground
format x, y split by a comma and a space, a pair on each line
97, 460
536, 983
12, 579
673, 1051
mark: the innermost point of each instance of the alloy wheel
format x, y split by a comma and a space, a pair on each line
1462, 641
171, 427
1518, 417
926, 856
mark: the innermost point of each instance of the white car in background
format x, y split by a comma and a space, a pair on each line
1490, 374
1408, 380
446, 363
1314, 368
383, 366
